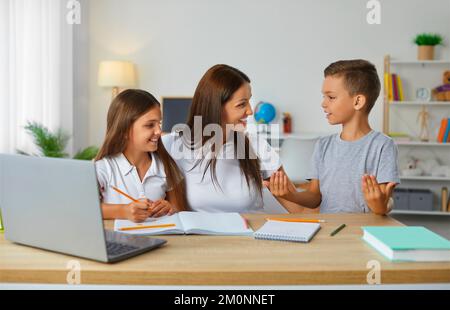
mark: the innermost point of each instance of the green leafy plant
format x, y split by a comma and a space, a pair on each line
428, 39
87, 154
53, 144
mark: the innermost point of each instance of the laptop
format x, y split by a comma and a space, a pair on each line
53, 204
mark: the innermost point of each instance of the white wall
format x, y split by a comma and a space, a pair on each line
81, 75
283, 45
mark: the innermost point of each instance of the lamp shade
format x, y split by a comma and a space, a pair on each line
116, 74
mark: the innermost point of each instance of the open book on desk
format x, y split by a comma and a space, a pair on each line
201, 223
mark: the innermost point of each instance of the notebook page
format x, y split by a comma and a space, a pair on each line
214, 223
287, 231
172, 219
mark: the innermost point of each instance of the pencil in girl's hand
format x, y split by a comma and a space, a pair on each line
123, 193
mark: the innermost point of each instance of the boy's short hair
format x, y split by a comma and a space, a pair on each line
360, 77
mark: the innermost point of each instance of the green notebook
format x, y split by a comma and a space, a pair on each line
403, 243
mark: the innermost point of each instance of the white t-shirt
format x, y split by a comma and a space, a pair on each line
117, 171
233, 195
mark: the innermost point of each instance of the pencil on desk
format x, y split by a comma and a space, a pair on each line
147, 226
296, 220
123, 193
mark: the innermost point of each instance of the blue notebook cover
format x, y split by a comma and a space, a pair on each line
408, 238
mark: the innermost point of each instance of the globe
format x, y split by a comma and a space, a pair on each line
264, 112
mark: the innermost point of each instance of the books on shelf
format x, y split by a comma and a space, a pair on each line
444, 131
444, 199
400, 88
408, 243
394, 87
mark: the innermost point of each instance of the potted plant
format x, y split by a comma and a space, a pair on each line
53, 144
426, 43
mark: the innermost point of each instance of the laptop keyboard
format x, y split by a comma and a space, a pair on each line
114, 248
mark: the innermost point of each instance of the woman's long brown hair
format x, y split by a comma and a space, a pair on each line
125, 109
216, 87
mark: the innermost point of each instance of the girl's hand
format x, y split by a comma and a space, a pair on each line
280, 185
376, 196
162, 207
137, 211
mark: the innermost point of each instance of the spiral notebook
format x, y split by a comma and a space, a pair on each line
287, 231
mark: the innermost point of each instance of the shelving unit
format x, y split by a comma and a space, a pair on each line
420, 143
425, 178
419, 62
401, 116
420, 103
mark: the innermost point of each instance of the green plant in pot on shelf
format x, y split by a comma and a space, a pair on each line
53, 144
426, 43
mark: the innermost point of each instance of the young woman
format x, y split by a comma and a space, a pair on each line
133, 160
223, 166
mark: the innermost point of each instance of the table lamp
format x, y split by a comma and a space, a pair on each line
116, 74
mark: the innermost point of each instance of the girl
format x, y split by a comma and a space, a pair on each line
133, 159
224, 171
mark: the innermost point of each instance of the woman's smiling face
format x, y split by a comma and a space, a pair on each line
237, 109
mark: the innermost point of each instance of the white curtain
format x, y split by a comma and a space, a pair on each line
35, 70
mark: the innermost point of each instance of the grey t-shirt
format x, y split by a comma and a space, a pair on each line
339, 166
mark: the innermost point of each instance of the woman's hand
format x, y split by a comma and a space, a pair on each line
162, 207
137, 211
279, 184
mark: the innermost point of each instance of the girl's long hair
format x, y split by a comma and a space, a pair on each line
125, 109
215, 88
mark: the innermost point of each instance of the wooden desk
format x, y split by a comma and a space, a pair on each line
217, 260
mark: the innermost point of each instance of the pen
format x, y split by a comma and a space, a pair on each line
147, 226
334, 232
295, 220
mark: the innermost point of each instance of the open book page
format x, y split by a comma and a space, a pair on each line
172, 219
214, 223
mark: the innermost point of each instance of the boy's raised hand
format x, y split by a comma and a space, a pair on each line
376, 195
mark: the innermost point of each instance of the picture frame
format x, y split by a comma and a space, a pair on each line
174, 111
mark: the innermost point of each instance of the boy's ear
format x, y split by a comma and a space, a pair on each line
359, 102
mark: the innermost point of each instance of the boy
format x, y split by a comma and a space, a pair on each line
355, 170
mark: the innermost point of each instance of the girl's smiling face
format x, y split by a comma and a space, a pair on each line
237, 109
146, 132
